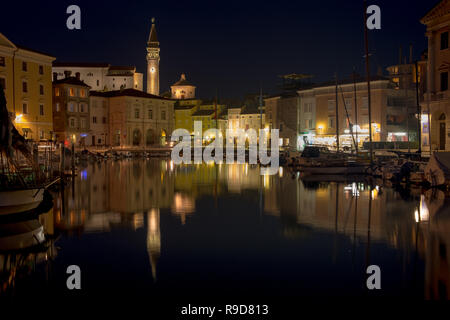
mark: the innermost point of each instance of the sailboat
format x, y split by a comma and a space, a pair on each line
22, 183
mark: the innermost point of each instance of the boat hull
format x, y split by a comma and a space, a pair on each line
15, 201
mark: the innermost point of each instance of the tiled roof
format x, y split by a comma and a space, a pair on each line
126, 93
71, 80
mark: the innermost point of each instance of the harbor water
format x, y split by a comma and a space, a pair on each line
209, 230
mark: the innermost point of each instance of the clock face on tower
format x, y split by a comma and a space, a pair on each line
152, 69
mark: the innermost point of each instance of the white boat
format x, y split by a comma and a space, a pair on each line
14, 201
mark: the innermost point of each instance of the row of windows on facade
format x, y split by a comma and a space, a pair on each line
94, 120
73, 107
24, 65
24, 86
72, 92
137, 114
73, 123
25, 109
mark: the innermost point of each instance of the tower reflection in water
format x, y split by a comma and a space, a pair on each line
137, 194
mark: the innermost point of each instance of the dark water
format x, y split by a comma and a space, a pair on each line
224, 230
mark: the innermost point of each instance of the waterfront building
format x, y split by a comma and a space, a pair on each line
138, 119
101, 76
436, 99
282, 112
388, 105
251, 118
183, 113
99, 120
71, 111
25, 76
153, 61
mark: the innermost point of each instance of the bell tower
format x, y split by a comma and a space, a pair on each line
153, 61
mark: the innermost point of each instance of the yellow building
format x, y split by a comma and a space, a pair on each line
26, 76
183, 113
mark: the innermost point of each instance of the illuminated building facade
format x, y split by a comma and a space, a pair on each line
138, 119
25, 76
436, 99
71, 111
101, 76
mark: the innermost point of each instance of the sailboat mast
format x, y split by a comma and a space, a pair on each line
366, 40
337, 114
260, 106
356, 111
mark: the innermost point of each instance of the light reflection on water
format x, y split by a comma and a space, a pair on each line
159, 227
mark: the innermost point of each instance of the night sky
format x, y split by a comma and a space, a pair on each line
230, 45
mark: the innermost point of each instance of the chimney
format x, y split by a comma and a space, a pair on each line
67, 73
77, 75
55, 76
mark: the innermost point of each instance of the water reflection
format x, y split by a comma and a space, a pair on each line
336, 227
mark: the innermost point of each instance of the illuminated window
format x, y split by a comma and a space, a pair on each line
82, 93
57, 107
71, 92
57, 92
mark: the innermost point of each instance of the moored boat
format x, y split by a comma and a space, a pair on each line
13, 201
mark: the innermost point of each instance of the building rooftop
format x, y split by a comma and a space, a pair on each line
182, 82
71, 80
126, 93
203, 113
